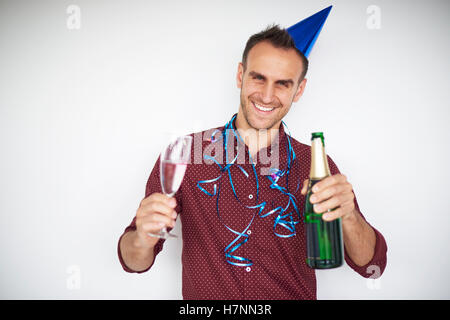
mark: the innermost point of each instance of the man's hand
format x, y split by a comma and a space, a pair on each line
330, 193
155, 212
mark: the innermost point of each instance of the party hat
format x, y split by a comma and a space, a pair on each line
306, 31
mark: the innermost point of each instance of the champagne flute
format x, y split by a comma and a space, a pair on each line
173, 162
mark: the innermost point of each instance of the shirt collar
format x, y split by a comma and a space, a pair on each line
279, 142
276, 141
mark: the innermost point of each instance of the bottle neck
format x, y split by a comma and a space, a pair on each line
319, 162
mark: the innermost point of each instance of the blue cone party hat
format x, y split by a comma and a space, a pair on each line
306, 31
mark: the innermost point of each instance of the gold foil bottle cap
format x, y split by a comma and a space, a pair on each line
319, 161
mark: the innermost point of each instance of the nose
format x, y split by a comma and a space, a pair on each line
267, 93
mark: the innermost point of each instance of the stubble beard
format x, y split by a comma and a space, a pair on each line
246, 104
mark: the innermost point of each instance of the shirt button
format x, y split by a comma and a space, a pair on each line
250, 196
249, 232
248, 269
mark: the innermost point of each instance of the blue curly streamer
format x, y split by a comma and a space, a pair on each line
284, 217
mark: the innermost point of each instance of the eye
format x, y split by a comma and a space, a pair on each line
258, 77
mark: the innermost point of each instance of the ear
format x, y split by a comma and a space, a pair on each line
240, 74
300, 89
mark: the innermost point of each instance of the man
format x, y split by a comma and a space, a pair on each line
233, 242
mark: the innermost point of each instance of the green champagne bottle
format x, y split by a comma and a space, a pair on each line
323, 238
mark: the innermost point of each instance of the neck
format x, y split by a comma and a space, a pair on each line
256, 139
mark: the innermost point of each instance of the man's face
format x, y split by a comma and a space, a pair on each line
269, 85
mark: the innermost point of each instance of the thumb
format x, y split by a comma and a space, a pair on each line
305, 187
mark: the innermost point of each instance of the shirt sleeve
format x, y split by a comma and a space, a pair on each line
376, 266
153, 185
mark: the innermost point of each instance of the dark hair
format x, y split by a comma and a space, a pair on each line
279, 38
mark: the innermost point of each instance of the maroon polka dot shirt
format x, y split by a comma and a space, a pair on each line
272, 267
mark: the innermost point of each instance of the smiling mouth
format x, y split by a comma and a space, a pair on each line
262, 108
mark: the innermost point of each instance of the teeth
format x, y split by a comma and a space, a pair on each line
262, 108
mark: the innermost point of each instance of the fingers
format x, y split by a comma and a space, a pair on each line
145, 228
305, 187
160, 197
155, 222
155, 211
326, 183
330, 191
158, 203
157, 207
338, 213
332, 196
334, 202
329, 181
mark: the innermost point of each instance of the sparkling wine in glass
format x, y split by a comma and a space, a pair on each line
173, 164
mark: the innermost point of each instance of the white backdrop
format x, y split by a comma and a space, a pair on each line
85, 100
